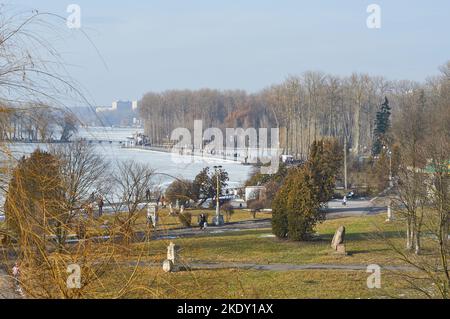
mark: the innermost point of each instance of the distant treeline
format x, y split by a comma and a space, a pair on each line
36, 123
307, 107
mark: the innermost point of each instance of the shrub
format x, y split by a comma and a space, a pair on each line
185, 219
181, 190
324, 163
296, 206
255, 206
34, 200
229, 211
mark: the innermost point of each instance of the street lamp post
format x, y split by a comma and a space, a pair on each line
390, 168
389, 152
345, 164
218, 218
390, 216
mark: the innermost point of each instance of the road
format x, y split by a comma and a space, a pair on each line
354, 207
359, 207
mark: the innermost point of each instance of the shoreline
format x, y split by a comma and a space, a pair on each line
168, 151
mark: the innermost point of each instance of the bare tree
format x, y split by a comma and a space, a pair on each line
130, 183
410, 130
424, 189
82, 172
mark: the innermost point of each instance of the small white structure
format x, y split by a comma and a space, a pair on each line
238, 203
152, 213
171, 263
390, 215
255, 192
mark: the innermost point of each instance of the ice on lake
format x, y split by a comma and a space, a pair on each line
185, 167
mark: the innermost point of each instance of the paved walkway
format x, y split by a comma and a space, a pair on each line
335, 210
354, 207
210, 230
203, 265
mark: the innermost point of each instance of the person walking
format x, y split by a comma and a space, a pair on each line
158, 201
205, 222
344, 200
100, 206
155, 219
202, 222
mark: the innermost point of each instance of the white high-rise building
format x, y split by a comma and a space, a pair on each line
119, 106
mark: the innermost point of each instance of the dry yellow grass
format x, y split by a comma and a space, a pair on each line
232, 283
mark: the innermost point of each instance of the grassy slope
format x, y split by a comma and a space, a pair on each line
363, 244
251, 247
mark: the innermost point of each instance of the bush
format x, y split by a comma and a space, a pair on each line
255, 206
185, 219
279, 213
296, 206
229, 211
35, 180
181, 190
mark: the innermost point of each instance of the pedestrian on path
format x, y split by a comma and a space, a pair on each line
100, 206
202, 221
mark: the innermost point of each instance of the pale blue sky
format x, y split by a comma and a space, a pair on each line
246, 44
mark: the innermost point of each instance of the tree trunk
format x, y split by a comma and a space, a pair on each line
417, 245
409, 235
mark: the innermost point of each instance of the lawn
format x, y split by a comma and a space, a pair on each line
233, 283
366, 242
363, 243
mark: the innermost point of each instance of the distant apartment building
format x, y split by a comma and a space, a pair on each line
121, 113
120, 106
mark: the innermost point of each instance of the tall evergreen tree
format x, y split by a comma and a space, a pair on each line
324, 163
382, 124
295, 209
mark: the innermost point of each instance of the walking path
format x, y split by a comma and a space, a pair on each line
203, 265
335, 210
354, 207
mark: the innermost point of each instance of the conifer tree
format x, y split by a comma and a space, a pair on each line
296, 206
382, 124
324, 162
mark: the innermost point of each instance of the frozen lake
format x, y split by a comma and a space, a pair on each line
179, 166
